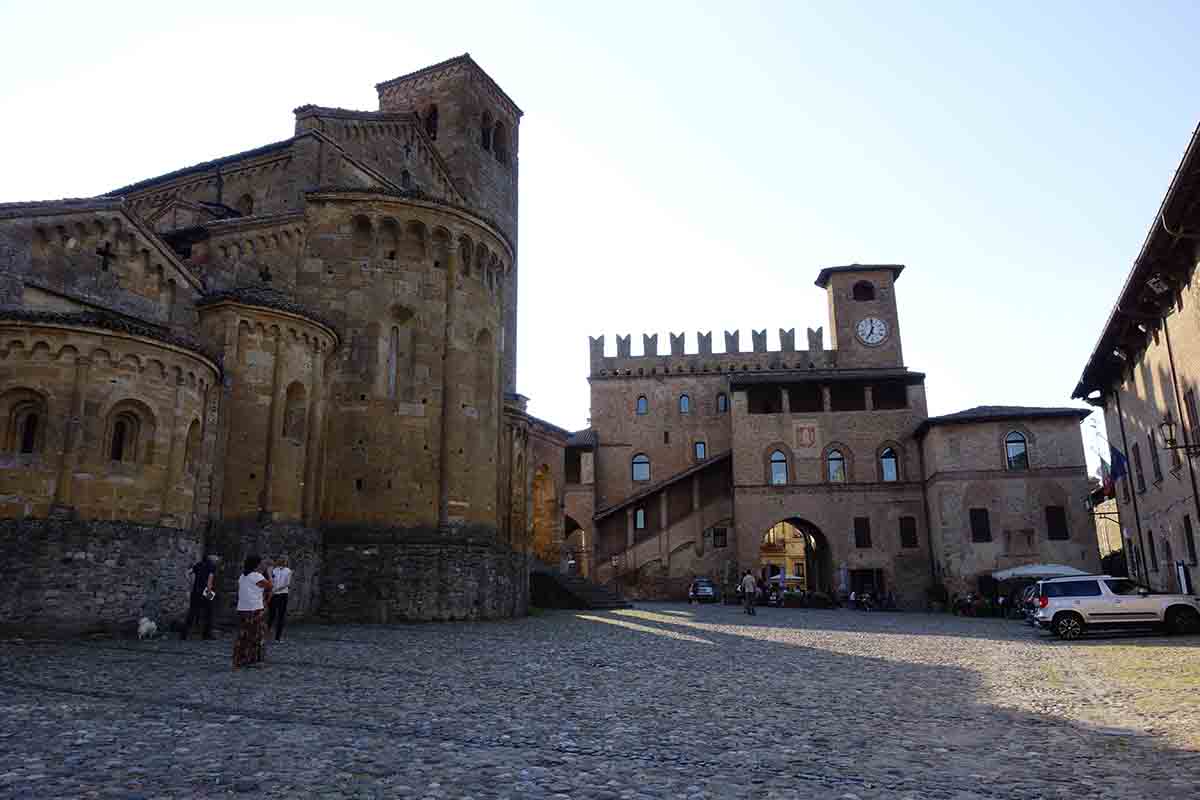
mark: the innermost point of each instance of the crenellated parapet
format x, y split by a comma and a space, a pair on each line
703, 359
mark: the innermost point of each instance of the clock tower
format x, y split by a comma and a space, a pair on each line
864, 327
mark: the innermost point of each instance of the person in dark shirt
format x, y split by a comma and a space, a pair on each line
200, 603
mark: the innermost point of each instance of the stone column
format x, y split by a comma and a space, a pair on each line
826, 398
72, 439
267, 499
785, 400
695, 493
315, 428
870, 397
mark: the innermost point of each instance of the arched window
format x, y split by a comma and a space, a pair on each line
836, 466
639, 519
431, 122
485, 132
361, 238
27, 431
779, 468
245, 205
191, 453
685, 404
1015, 450
722, 403
641, 468
295, 412
500, 143
863, 290
643, 405
123, 444
889, 465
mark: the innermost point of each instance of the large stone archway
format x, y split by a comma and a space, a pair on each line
800, 550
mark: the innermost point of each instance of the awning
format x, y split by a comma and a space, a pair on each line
1038, 571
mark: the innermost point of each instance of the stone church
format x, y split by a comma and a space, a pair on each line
816, 467
308, 348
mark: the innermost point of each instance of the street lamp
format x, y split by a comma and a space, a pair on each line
1167, 429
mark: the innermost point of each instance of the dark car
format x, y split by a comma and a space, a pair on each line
703, 590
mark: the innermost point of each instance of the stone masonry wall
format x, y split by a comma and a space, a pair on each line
75, 575
233, 542
421, 575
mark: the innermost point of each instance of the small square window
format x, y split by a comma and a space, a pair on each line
701, 451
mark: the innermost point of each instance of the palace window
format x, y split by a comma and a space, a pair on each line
779, 468
701, 451
835, 466
862, 532
643, 405
720, 537
889, 466
722, 403
1056, 523
1015, 451
1155, 463
641, 467
908, 532
685, 404
123, 445
981, 525
1137, 468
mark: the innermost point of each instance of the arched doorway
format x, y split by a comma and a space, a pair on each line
576, 547
798, 549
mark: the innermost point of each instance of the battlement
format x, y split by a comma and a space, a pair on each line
733, 359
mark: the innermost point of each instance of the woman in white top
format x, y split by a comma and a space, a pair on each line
248, 648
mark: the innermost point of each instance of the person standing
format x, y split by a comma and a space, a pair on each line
200, 602
248, 647
281, 581
749, 590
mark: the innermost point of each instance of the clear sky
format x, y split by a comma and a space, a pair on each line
691, 166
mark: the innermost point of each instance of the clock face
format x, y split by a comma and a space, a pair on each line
871, 330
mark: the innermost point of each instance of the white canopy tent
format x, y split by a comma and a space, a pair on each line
1034, 571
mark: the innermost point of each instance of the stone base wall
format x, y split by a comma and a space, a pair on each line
234, 541
401, 575
73, 576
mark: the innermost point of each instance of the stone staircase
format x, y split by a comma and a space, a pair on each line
550, 588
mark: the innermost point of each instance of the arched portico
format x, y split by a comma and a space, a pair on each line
797, 548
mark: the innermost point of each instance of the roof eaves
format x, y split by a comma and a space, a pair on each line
823, 276
1100, 353
205, 166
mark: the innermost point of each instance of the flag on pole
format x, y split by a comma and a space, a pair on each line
1120, 466
1106, 480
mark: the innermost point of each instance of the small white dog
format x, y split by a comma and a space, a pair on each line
147, 628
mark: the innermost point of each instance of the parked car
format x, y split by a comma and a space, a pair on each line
1070, 606
703, 590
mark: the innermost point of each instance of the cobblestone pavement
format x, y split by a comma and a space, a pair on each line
665, 700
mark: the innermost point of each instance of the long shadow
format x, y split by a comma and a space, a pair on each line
655, 704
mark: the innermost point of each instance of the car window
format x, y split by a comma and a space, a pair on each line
1080, 588
1052, 590
1122, 587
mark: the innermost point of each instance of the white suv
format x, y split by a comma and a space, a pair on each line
1069, 606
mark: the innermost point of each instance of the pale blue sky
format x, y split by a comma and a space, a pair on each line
691, 166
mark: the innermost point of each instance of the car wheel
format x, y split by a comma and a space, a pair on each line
1068, 626
1183, 620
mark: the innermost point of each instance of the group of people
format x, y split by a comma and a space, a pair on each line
262, 602
865, 601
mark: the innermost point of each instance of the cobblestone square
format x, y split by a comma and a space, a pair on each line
666, 700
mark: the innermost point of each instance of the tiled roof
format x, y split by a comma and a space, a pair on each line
264, 296
584, 438
1001, 413
204, 166
111, 321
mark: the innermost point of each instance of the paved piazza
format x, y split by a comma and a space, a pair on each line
665, 700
